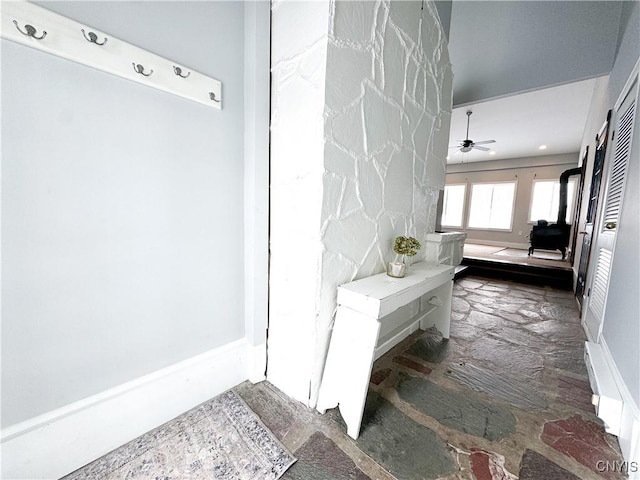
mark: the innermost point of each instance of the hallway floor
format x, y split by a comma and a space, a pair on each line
506, 397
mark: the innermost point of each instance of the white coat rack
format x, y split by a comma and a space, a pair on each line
36, 27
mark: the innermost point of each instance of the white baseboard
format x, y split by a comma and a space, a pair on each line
629, 438
59, 442
258, 363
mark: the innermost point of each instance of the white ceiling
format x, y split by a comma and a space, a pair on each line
520, 124
501, 49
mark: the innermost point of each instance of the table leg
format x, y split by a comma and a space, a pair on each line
348, 369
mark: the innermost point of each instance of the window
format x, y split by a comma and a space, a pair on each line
453, 205
545, 200
492, 205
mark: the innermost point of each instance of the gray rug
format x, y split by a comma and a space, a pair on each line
220, 439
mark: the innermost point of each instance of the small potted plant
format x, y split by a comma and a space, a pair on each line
407, 247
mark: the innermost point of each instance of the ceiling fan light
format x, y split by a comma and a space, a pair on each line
465, 149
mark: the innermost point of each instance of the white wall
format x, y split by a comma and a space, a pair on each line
621, 324
257, 79
134, 233
376, 91
298, 59
121, 206
523, 171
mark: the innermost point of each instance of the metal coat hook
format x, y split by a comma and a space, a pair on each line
140, 69
178, 72
93, 38
30, 31
212, 96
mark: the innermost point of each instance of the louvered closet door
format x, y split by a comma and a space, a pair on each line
618, 161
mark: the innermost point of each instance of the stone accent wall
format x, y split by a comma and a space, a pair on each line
370, 168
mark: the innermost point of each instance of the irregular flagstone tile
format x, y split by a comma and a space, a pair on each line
501, 301
321, 459
562, 294
463, 331
404, 447
568, 302
524, 301
473, 298
418, 367
517, 360
483, 320
582, 440
488, 293
379, 376
459, 291
495, 288
519, 336
530, 314
457, 316
576, 393
527, 295
508, 307
484, 308
566, 357
275, 414
459, 305
529, 288
512, 317
456, 410
526, 395
505, 284
469, 284
489, 466
534, 466
566, 314
559, 331
430, 347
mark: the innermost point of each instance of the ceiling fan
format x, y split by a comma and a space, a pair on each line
467, 145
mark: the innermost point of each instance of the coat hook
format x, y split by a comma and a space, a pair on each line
178, 71
93, 38
30, 31
212, 96
140, 69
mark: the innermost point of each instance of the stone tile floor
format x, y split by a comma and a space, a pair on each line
506, 397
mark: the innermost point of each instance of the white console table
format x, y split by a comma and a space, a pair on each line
369, 321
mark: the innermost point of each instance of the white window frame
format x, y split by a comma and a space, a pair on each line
464, 205
513, 206
570, 199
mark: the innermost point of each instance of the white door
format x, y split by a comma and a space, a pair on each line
606, 228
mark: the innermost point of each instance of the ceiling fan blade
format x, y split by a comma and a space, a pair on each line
484, 142
454, 146
484, 149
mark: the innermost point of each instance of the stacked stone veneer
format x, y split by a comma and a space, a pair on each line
361, 98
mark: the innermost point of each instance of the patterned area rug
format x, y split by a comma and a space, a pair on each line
220, 439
